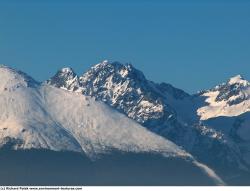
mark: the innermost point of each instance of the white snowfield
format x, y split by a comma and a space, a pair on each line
223, 108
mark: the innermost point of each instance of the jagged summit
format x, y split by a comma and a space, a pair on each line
65, 78
123, 87
234, 91
238, 79
227, 99
124, 70
67, 70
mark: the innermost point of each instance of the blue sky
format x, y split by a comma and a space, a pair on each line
191, 44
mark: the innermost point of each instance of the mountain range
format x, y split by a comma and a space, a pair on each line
113, 108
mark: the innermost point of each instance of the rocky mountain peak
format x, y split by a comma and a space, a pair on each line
227, 99
106, 68
67, 70
234, 91
65, 78
238, 79
125, 88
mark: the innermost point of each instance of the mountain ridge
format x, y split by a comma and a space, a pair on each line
162, 112
48, 105
171, 112
41, 117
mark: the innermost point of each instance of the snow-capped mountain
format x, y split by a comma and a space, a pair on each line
119, 86
225, 109
65, 79
135, 115
126, 89
169, 111
40, 116
228, 99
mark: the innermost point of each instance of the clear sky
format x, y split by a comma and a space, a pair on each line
191, 44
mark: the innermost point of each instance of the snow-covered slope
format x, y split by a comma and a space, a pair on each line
98, 128
228, 99
24, 121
